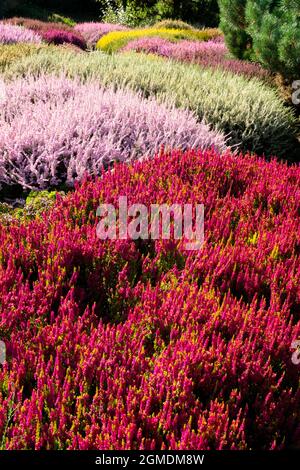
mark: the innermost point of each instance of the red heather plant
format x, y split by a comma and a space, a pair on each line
57, 37
92, 32
141, 345
213, 53
78, 128
11, 34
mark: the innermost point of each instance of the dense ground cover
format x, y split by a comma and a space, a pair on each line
117, 345
248, 111
11, 54
92, 32
57, 37
212, 53
115, 40
11, 34
98, 127
142, 344
51, 33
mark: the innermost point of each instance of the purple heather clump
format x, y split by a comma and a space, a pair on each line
213, 53
57, 37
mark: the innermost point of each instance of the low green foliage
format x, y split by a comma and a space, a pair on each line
56, 18
14, 52
36, 203
172, 24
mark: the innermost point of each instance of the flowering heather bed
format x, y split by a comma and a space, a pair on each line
116, 40
213, 53
77, 128
92, 32
259, 122
13, 53
37, 25
57, 37
54, 33
10, 34
140, 345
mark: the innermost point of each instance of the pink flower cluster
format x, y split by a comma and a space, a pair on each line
92, 32
184, 50
58, 36
12, 34
77, 128
141, 345
213, 53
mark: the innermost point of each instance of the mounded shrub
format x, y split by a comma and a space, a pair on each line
12, 53
211, 53
92, 32
142, 345
115, 40
47, 29
233, 25
11, 34
80, 128
58, 37
266, 30
172, 24
250, 112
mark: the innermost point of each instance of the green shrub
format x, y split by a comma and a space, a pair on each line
172, 24
38, 202
55, 18
268, 31
275, 30
131, 13
250, 112
233, 25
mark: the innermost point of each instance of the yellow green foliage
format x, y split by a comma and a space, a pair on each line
12, 53
115, 40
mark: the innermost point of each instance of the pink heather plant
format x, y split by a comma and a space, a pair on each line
57, 37
11, 34
92, 32
183, 50
213, 53
123, 345
77, 128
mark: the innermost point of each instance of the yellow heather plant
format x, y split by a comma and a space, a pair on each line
115, 40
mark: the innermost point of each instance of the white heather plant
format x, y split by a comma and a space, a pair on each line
247, 110
78, 128
12, 34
